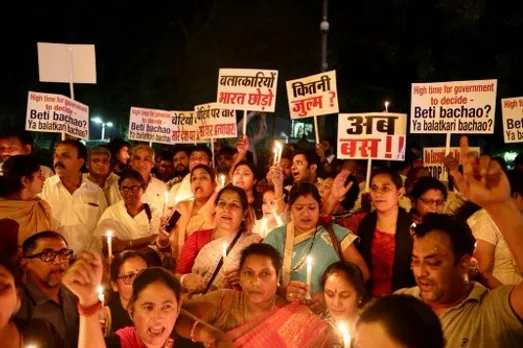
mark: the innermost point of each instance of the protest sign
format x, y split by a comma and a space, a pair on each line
434, 157
184, 127
512, 113
379, 136
150, 125
66, 63
56, 114
215, 122
247, 89
466, 107
314, 95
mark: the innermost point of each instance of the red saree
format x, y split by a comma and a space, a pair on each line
292, 326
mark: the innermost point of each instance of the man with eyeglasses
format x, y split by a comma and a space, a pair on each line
200, 154
45, 259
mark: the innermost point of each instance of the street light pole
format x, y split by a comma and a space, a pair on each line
324, 29
103, 131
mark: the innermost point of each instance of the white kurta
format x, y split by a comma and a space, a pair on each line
155, 194
76, 214
181, 191
123, 226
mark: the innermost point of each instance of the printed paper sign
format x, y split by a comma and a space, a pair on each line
150, 125
185, 127
464, 107
512, 113
377, 135
315, 95
247, 89
56, 113
434, 157
66, 63
215, 122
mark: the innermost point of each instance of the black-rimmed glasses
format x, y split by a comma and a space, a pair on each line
49, 255
128, 278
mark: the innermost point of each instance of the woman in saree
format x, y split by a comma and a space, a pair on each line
304, 238
196, 214
256, 316
207, 255
20, 185
154, 308
244, 176
134, 224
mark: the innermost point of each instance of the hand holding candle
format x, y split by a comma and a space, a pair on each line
277, 152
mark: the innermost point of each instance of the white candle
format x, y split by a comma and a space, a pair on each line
224, 251
101, 295
109, 236
277, 152
309, 274
344, 331
387, 106
222, 180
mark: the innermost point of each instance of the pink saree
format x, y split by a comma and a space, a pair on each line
292, 326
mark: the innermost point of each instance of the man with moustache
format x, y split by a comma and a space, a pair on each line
99, 166
77, 203
180, 164
45, 259
470, 314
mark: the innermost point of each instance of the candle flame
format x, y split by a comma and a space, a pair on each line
387, 106
109, 234
342, 327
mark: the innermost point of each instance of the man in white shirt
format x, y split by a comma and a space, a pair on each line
77, 203
200, 154
142, 160
99, 166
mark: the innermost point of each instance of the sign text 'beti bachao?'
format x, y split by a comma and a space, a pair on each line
378, 136
57, 114
453, 107
247, 89
314, 95
512, 114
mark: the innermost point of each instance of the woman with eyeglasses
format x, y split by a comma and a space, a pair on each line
133, 223
124, 269
386, 243
209, 258
20, 185
428, 195
305, 238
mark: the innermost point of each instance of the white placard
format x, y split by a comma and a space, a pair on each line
512, 113
55, 61
434, 159
215, 122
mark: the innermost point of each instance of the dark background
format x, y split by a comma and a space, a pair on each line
168, 56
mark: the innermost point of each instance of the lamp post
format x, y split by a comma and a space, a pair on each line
98, 120
324, 29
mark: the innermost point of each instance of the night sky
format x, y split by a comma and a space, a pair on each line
168, 56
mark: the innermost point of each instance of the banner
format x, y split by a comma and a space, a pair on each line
434, 157
56, 113
247, 89
314, 95
150, 125
466, 107
512, 113
185, 127
379, 136
215, 122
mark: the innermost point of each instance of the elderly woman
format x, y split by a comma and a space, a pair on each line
257, 316
304, 238
134, 224
208, 254
19, 188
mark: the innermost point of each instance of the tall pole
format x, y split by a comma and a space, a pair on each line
324, 29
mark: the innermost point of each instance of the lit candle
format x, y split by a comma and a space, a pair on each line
224, 251
222, 180
277, 152
109, 236
309, 274
101, 295
31, 346
344, 331
387, 106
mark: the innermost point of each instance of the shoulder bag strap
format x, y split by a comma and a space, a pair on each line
335, 243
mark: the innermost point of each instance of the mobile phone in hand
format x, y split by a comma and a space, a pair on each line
172, 221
